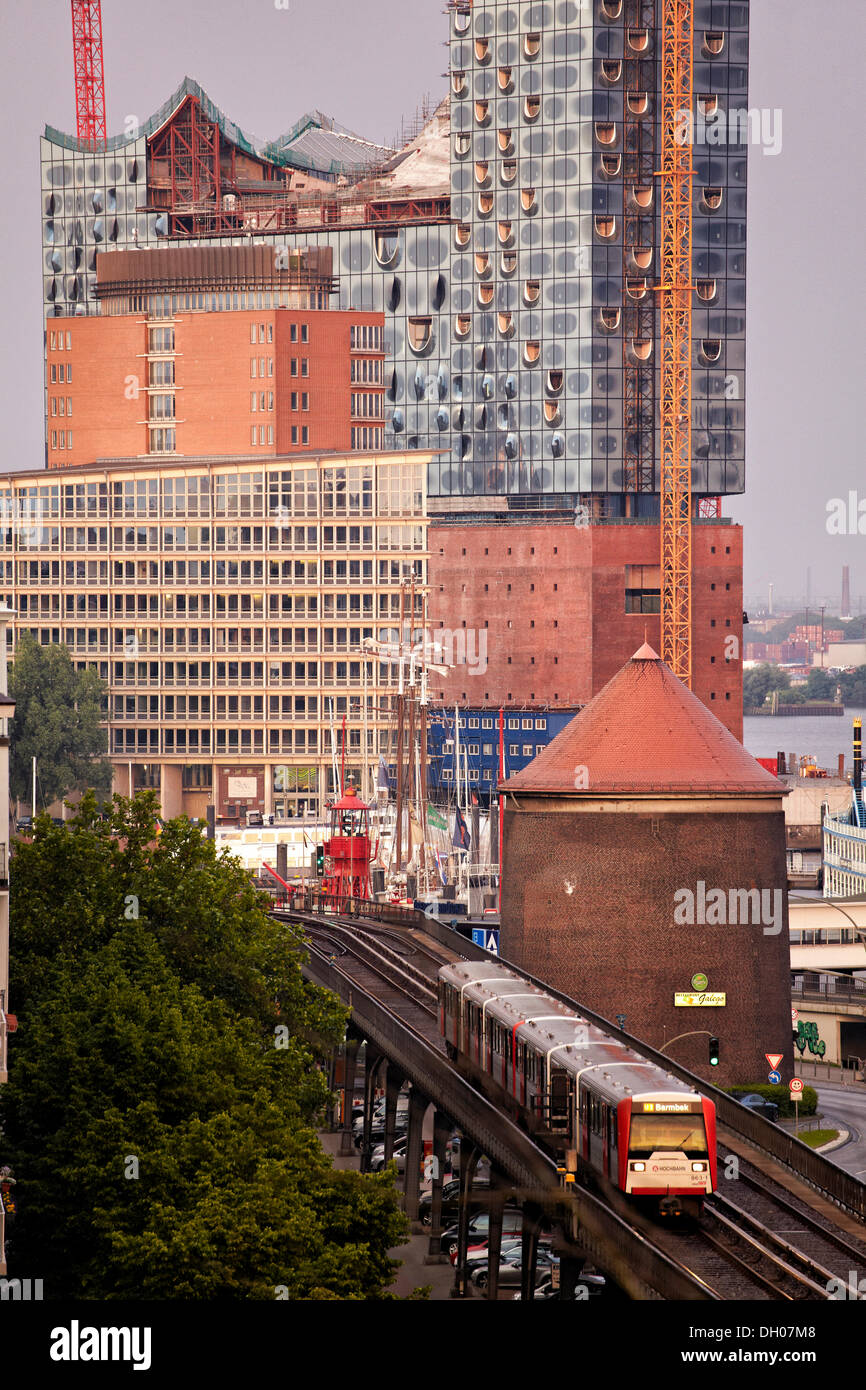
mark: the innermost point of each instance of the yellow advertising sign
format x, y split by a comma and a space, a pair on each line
700, 1001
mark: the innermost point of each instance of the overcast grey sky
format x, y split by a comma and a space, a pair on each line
368, 64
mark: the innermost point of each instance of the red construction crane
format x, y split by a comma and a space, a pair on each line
89, 81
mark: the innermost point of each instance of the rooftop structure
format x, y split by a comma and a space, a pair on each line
645, 733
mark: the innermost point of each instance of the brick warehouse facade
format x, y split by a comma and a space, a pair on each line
639, 801
563, 606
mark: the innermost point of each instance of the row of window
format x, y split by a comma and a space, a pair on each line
193, 572
163, 306
224, 538
61, 405
367, 371
366, 437
487, 750
55, 341
218, 707
232, 673
61, 372
298, 491
365, 336
293, 332
61, 439
367, 405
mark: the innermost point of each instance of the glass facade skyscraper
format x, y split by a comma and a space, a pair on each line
520, 320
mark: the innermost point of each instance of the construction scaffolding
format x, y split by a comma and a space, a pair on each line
675, 293
638, 196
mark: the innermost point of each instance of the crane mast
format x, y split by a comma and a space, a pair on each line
676, 336
89, 80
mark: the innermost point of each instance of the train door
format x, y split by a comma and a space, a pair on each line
605, 1140
585, 1120
613, 1163
560, 1099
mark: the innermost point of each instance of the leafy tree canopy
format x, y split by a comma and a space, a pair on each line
57, 721
163, 1087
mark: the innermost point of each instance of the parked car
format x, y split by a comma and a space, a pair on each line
511, 1271
479, 1225
254, 818
590, 1285
450, 1201
768, 1108
24, 824
377, 1131
478, 1255
377, 1159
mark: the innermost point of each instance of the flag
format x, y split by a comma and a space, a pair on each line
437, 856
461, 838
433, 818
158, 826
474, 799
382, 777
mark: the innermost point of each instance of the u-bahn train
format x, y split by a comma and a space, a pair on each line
578, 1089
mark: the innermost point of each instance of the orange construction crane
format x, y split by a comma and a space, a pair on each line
676, 336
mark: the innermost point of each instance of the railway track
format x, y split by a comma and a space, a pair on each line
762, 1247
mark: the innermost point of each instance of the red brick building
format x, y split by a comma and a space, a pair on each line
213, 352
643, 849
560, 607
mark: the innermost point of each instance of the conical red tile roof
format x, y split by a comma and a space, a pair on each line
645, 732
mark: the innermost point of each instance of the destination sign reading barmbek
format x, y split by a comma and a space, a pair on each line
699, 1001
669, 1107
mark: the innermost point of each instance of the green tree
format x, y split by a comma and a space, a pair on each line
57, 721
853, 685
152, 990
759, 681
820, 685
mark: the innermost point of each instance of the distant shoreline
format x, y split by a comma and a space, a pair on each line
817, 711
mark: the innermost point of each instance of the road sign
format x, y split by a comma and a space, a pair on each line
774, 1058
794, 1016
489, 939
796, 1086
774, 1078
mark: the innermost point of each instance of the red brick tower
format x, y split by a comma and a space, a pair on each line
644, 849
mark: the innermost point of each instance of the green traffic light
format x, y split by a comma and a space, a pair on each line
714, 1052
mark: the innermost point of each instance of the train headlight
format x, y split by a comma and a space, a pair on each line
699, 1167
638, 1167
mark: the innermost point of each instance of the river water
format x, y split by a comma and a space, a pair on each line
825, 736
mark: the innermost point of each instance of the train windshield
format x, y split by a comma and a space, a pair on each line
652, 1133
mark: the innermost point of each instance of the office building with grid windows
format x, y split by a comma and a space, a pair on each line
226, 603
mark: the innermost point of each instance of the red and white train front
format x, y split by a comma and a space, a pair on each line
667, 1147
